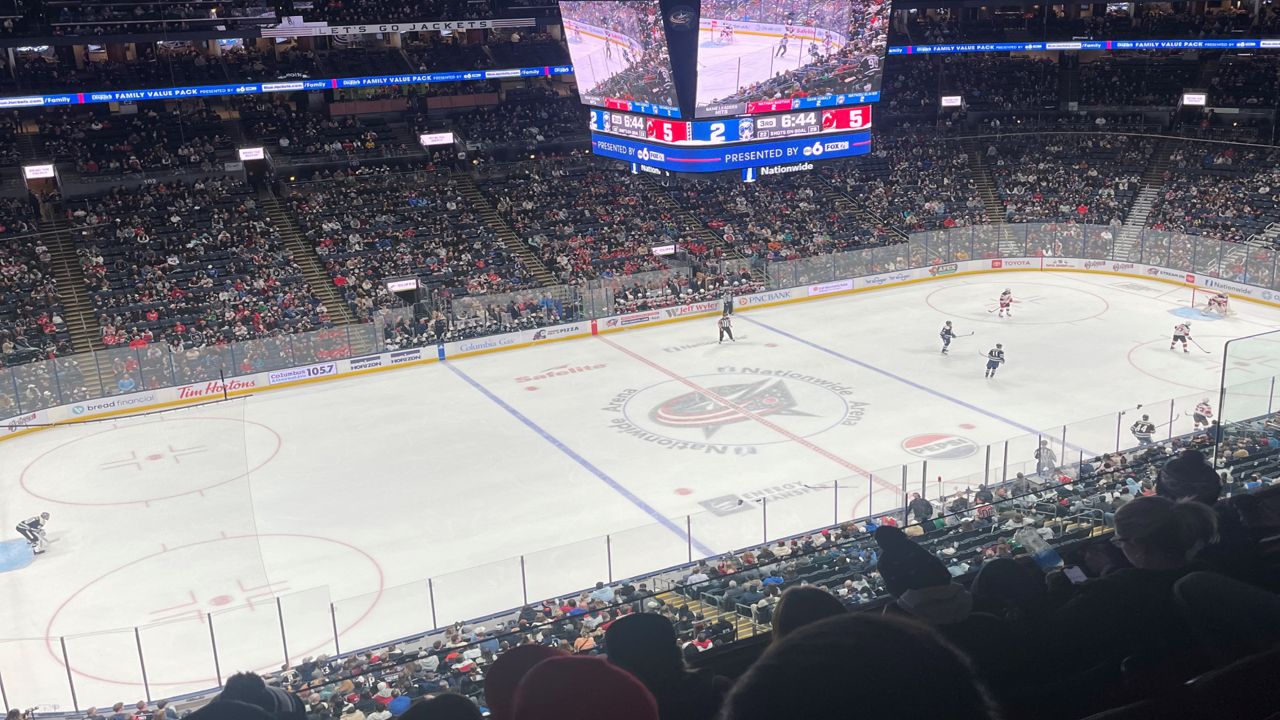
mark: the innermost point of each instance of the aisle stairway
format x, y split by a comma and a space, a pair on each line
744, 627
485, 210
986, 184
304, 254
82, 323
840, 199
1269, 238
1152, 182
693, 227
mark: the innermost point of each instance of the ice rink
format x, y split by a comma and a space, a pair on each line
189, 524
595, 59
750, 58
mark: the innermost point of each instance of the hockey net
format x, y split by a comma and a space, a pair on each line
1200, 300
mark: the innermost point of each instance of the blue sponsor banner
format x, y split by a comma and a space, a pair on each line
1207, 44
731, 157
175, 93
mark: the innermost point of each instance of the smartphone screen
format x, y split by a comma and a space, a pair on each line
1074, 574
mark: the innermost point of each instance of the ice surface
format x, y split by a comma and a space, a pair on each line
355, 492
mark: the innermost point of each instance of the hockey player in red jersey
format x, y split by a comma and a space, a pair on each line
1006, 303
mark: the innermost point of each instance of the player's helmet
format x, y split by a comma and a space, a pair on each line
1146, 417
1007, 290
948, 323
44, 515
999, 346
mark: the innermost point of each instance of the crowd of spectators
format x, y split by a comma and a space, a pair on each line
534, 122
1081, 178
914, 180
356, 12
72, 17
178, 266
1143, 79
31, 323
1219, 191
1246, 82
584, 219
112, 144
305, 134
375, 224
777, 218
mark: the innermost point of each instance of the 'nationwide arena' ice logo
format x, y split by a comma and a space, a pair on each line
726, 405
736, 407
938, 446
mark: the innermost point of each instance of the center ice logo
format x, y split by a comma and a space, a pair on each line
726, 405
737, 407
938, 446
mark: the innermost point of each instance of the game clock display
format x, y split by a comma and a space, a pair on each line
732, 130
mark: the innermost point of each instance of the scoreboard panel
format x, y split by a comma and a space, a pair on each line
752, 128
719, 157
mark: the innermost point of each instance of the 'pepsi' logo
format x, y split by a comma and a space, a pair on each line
938, 446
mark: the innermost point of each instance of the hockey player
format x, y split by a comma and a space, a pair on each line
1143, 430
1006, 303
782, 43
726, 35
33, 530
946, 335
1181, 332
1202, 414
726, 329
995, 358
1218, 304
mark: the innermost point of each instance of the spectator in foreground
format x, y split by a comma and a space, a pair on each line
1132, 611
448, 706
802, 606
229, 710
582, 688
249, 688
805, 674
922, 588
501, 679
646, 646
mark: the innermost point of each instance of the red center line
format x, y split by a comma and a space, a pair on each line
754, 416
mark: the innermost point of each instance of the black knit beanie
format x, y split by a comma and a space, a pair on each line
1189, 475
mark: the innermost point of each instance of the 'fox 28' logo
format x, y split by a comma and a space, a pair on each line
647, 154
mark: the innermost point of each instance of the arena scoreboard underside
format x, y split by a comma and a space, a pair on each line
772, 143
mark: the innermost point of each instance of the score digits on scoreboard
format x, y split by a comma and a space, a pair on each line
731, 130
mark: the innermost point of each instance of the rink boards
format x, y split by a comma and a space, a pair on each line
214, 390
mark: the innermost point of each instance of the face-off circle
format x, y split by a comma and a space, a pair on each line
172, 616
740, 408
1039, 304
149, 462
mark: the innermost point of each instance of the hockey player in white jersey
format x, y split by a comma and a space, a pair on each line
1203, 414
1181, 332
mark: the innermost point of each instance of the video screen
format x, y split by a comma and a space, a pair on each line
754, 51
619, 51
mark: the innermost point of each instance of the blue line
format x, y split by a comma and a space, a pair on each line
617, 486
912, 383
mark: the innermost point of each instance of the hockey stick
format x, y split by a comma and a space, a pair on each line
1193, 342
1139, 407
966, 334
